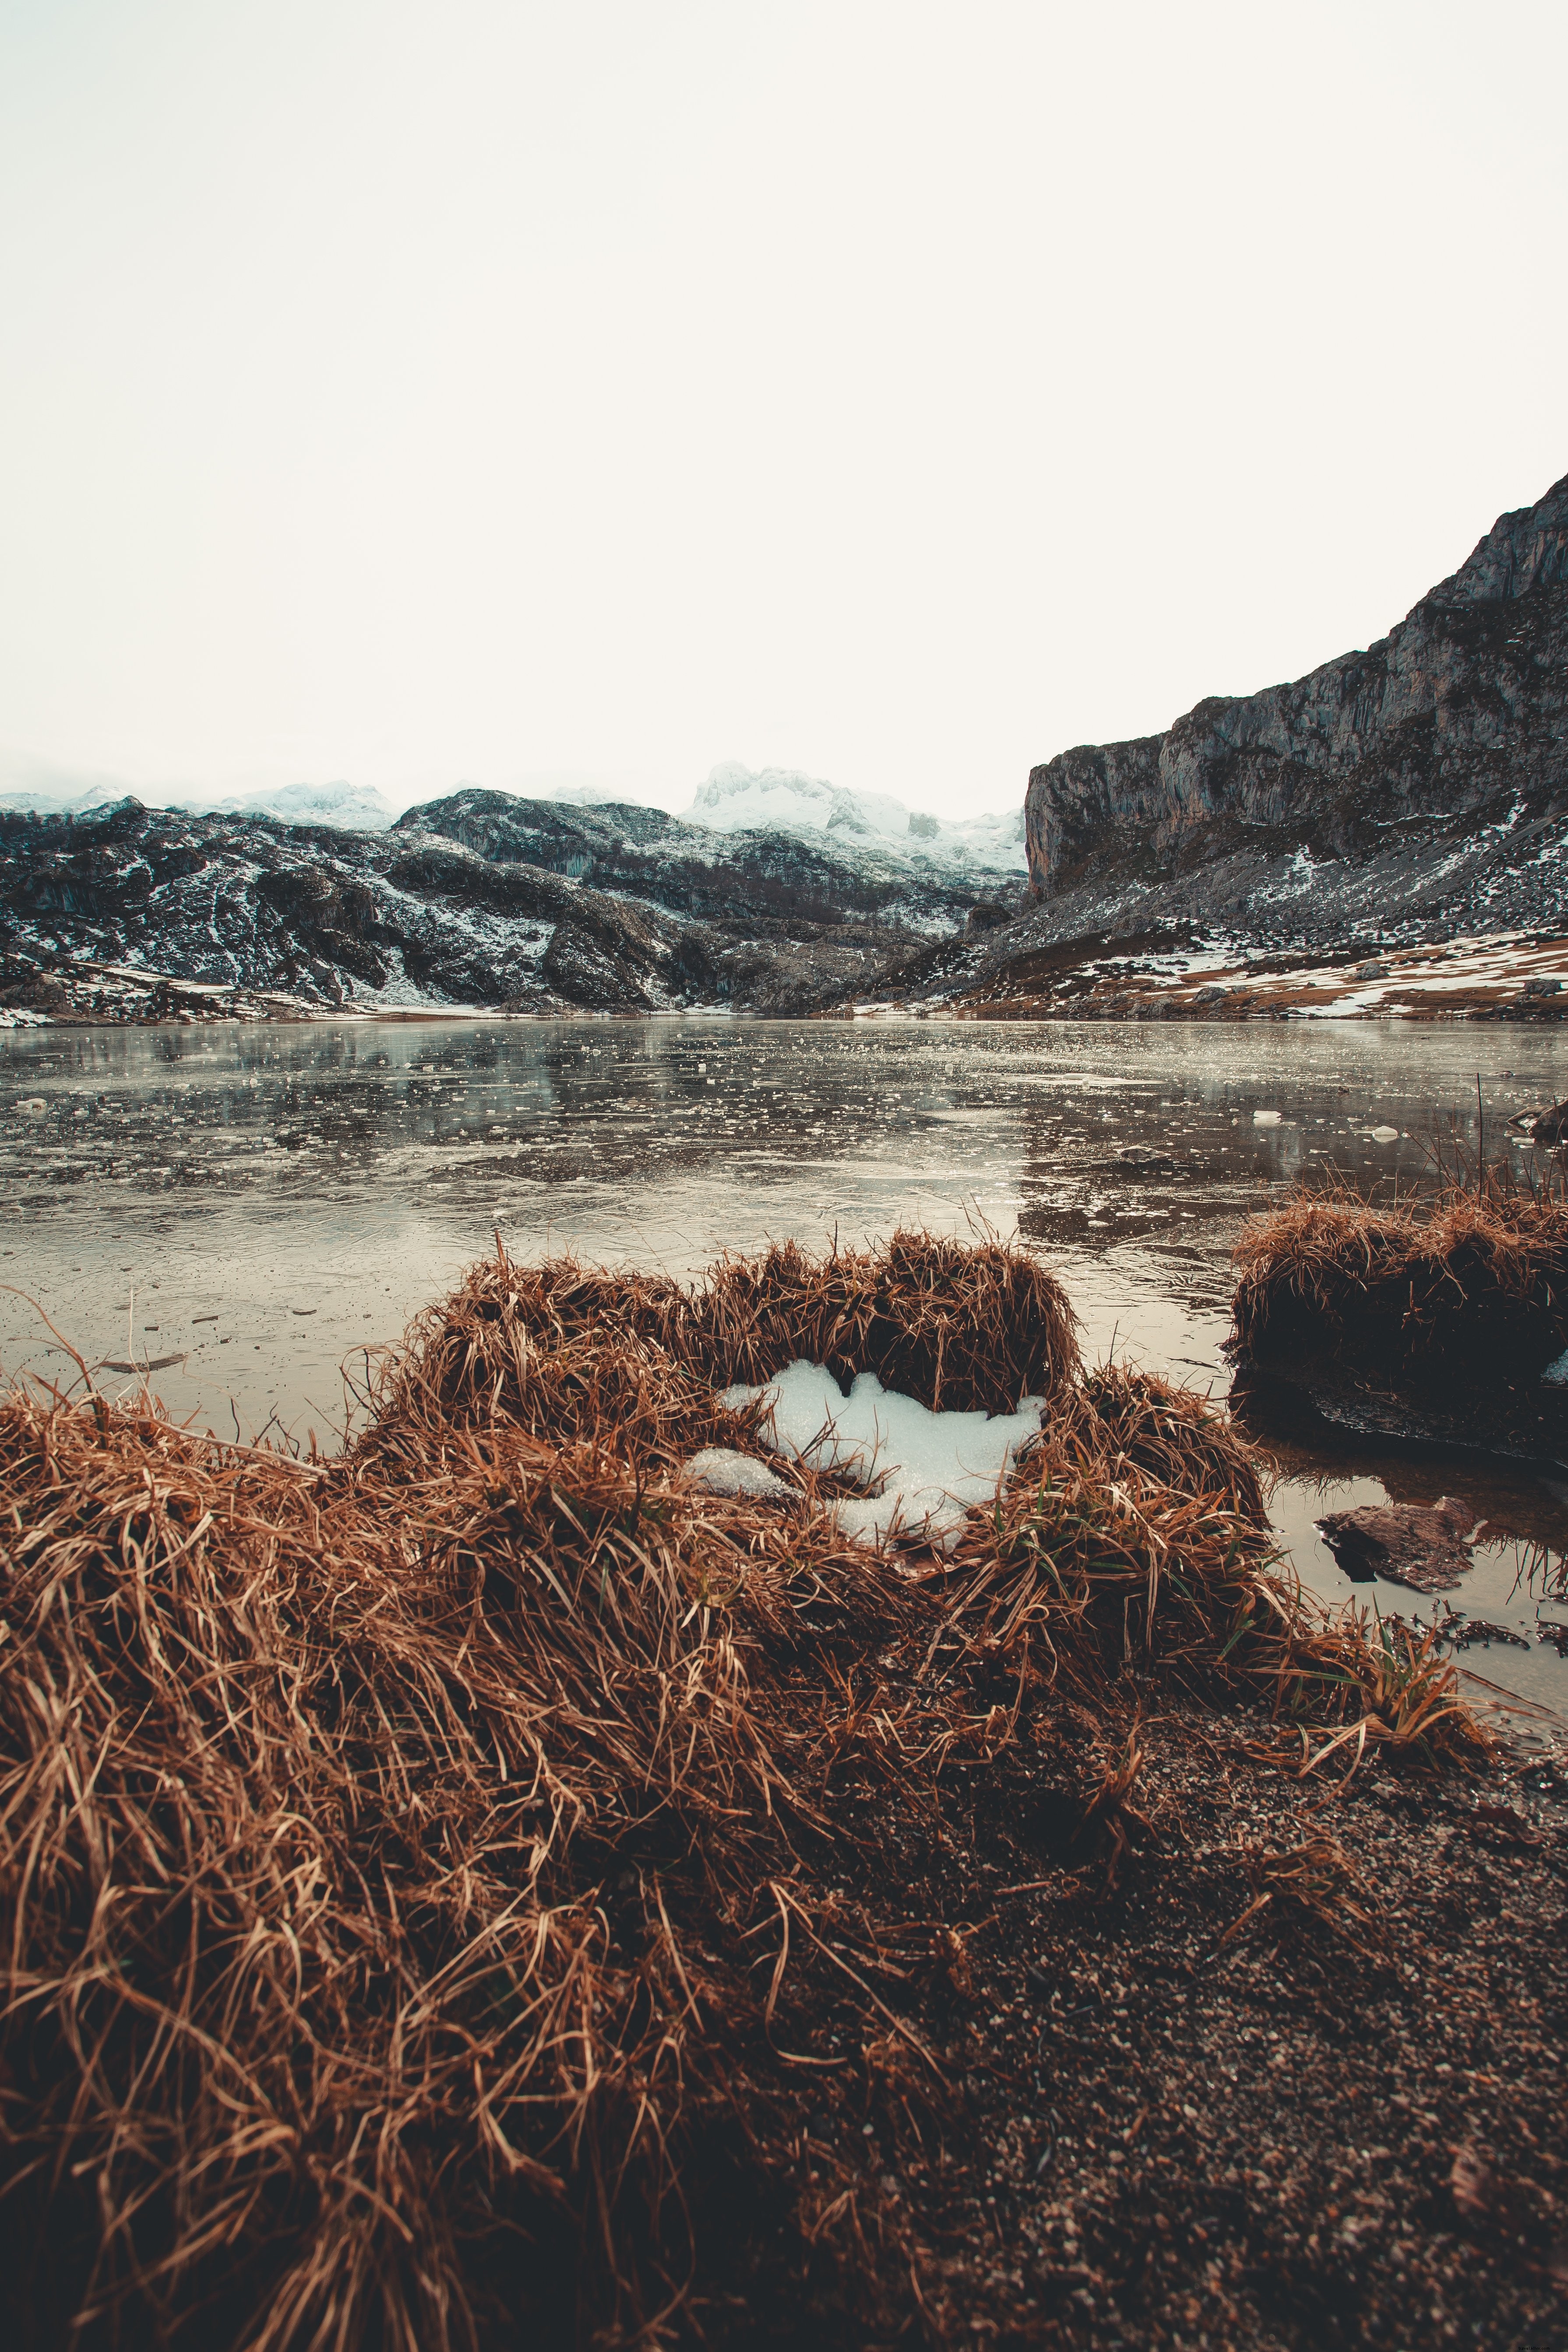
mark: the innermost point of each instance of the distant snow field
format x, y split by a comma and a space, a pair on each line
737, 799
356, 808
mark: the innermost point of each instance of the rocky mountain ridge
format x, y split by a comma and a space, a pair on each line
733, 799
1249, 861
478, 899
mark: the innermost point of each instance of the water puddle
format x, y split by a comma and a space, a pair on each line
267, 1207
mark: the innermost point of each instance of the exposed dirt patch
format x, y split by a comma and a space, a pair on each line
1144, 2134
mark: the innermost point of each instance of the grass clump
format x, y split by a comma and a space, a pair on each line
1470, 1285
427, 1869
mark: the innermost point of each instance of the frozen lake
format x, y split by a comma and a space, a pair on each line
267, 1203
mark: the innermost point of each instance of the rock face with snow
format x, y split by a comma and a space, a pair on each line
692, 870
1373, 789
479, 899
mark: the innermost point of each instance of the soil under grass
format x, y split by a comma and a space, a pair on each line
487, 1890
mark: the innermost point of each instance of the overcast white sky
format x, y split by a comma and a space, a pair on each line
898, 391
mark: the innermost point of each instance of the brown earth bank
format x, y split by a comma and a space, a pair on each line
1179, 974
1165, 2116
489, 1888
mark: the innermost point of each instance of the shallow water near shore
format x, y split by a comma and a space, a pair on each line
269, 1205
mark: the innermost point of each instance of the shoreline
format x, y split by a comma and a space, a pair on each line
1504, 976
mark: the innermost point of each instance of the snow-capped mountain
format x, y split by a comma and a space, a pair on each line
578, 795
737, 799
481, 899
734, 799
29, 801
357, 808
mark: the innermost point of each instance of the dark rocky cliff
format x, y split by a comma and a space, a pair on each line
1453, 727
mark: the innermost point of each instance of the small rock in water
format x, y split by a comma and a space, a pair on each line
1423, 1545
1550, 1126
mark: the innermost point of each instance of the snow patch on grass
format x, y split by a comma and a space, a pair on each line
924, 1470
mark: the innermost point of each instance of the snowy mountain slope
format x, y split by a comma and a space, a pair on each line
418, 915
1452, 729
716, 876
977, 855
739, 799
570, 795
53, 804
1398, 798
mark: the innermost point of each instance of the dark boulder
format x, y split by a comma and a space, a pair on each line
1427, 1546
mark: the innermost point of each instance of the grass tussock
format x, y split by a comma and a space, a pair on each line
962, 1327
1316, 1879
426, 1870
1472, 1283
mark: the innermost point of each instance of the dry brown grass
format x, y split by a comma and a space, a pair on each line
419, 1867
1473, 1278
1316, 1879
965, 1326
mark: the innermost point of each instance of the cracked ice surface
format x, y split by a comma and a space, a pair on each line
924, 1469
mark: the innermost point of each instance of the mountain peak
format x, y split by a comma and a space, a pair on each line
1525, 549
